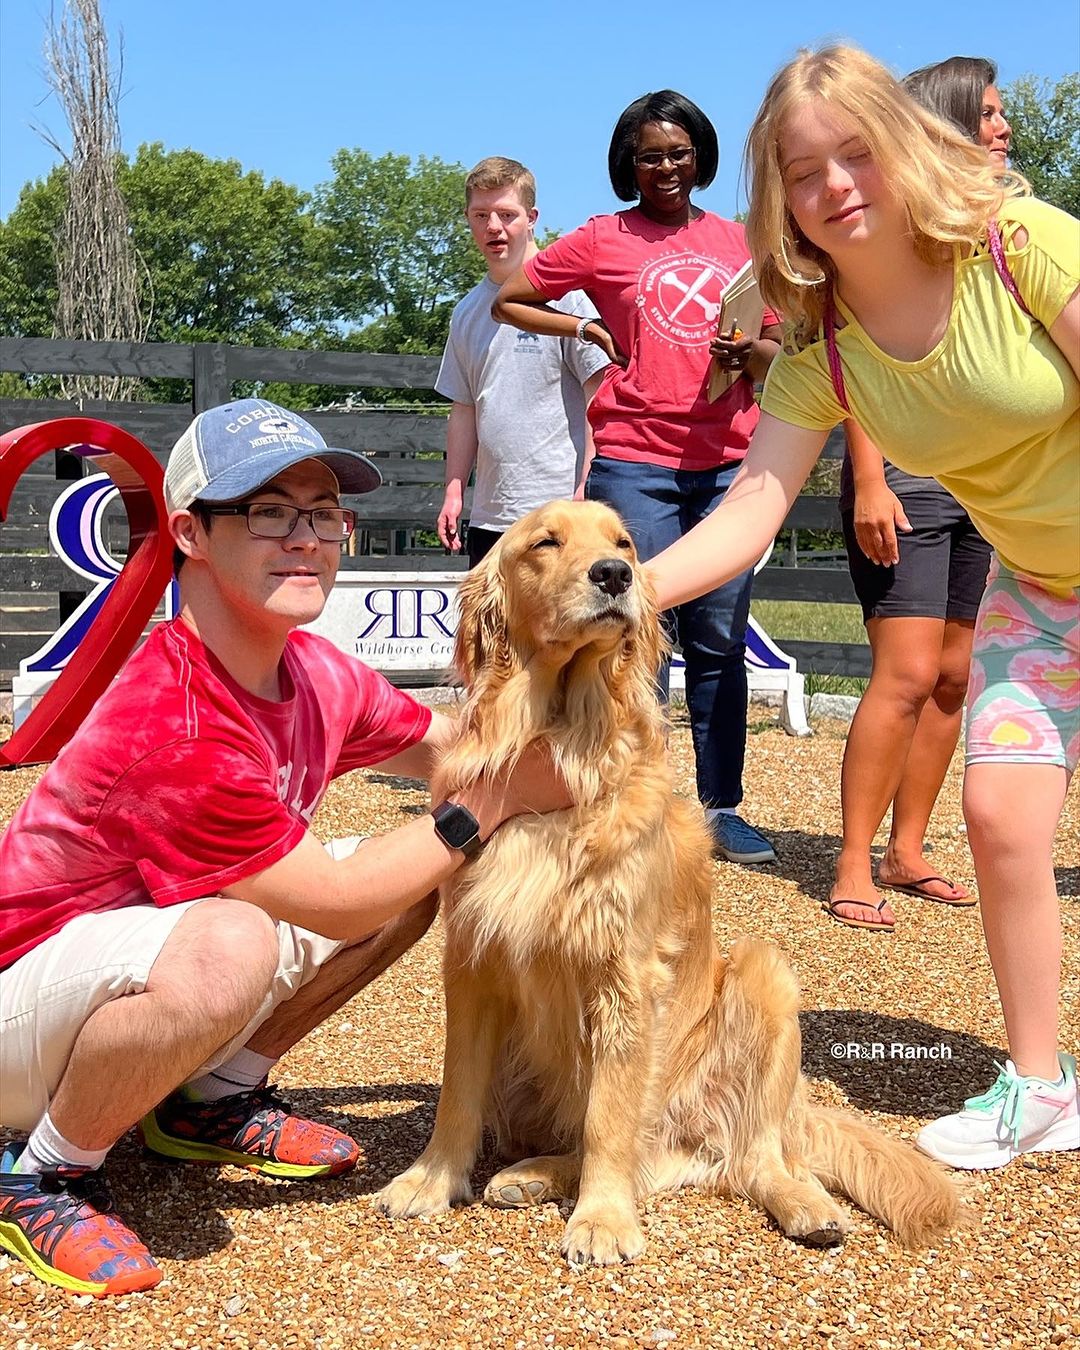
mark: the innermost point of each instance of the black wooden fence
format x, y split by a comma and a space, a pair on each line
37, 590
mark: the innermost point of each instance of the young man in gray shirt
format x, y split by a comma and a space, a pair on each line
519, 400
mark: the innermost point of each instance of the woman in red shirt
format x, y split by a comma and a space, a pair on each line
665, 454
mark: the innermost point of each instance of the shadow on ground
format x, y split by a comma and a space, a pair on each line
896, 1064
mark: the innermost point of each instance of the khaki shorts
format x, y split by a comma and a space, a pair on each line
47, 996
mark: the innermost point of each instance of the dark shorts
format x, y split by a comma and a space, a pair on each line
942, 569
479, 543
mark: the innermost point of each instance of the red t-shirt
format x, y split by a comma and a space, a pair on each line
657, 289
180, 783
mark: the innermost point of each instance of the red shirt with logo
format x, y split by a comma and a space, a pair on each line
181, 783
657, 289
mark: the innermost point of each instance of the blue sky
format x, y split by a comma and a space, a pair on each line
281, 85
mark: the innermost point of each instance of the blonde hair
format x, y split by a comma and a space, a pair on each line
497, 172
946, 182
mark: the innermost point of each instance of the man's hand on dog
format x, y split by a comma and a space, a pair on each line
533, 787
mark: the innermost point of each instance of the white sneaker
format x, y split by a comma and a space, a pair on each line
1018, 1115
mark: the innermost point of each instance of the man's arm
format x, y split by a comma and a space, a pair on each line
461, 447
419, 760
591, 385
350, 898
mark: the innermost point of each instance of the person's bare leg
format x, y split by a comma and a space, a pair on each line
928, 760
340, 978
906, 660
1012, 812
208, 981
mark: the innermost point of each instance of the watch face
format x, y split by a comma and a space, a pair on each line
456, 825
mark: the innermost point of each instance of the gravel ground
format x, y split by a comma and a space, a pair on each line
267, 1265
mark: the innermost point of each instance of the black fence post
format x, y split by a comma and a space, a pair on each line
211, 384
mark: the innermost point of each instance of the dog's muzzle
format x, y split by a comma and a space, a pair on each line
611, 575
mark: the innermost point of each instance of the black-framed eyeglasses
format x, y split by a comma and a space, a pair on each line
677, 158
276, 520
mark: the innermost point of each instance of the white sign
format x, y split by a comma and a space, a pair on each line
393, 620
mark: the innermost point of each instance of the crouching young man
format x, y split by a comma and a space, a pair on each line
169, 926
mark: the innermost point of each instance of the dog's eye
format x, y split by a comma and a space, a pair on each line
547, 543
624, 543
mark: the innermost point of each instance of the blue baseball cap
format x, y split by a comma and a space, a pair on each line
233, 449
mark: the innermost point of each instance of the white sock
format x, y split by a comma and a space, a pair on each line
47, 1148
246, 1070
712, 811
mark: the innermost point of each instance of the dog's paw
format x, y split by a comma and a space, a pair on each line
602, 1239
418, 1193
818, 1227
533, 1181
517, 1194
830, 1234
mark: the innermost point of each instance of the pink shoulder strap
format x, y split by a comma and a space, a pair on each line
997, 252
836, 369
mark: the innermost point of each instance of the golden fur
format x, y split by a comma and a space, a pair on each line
591, 1020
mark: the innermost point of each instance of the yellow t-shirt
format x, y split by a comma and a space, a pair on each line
993, 412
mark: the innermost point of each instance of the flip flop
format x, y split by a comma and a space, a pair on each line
918, 889
829, 906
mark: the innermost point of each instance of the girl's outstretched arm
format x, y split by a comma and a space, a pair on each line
746, 522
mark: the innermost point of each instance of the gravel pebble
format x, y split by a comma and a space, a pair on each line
252, 1264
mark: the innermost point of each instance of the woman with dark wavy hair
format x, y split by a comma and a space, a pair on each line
665, 454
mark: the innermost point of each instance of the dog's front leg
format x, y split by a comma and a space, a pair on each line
604, 1227
440, 1176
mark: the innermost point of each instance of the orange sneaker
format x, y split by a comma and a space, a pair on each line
253, 1129
61, 1224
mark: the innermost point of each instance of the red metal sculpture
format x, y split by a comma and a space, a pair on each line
132, 599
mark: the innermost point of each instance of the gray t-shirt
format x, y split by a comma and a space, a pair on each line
530, 406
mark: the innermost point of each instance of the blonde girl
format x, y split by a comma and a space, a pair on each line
941, 310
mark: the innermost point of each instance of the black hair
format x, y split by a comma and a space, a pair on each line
954, 90
664, 106
201, 512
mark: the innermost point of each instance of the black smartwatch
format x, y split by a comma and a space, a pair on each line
458, 828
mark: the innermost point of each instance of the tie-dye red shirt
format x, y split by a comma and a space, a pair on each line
181, 783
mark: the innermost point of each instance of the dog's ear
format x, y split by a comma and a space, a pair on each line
650, 639
483, 639
633, 668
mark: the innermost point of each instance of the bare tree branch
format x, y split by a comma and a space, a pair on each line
102, 281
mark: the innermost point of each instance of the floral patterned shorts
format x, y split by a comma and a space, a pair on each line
1023, 698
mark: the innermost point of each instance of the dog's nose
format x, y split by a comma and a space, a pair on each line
611, 575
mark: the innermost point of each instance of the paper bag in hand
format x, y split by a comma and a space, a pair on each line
741, 305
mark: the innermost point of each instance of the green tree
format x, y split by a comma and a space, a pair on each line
231, 257
230, 254
28, 291
1045, 121
397, 253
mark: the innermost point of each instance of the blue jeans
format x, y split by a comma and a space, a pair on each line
659, 505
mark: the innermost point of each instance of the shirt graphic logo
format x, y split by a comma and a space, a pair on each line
679, 297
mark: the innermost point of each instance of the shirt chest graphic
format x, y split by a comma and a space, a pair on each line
679, 297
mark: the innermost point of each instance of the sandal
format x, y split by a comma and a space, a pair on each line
918, 889
829, 906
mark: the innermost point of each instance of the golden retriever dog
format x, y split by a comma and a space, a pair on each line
592, 1022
